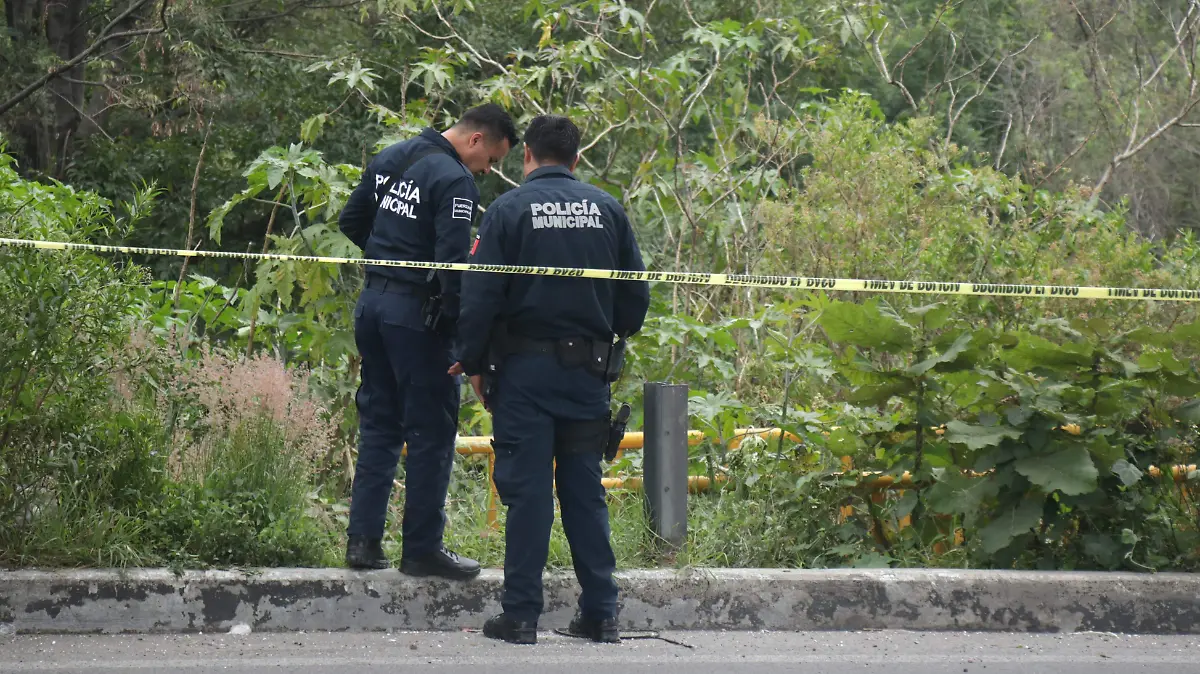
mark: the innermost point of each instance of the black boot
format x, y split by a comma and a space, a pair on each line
513, 631
366, 553
442, 563
603, 631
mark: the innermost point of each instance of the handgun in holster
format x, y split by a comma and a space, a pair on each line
433, 309
616, 432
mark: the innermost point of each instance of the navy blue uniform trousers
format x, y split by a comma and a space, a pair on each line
405, 396
533, 393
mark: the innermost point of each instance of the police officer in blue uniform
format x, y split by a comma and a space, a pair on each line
550, 341
416, 201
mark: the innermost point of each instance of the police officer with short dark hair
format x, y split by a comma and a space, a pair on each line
550, 341
416, 201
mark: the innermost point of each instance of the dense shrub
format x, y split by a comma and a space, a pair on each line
113, 451
71, 462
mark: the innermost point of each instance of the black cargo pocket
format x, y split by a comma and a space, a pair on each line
580, 437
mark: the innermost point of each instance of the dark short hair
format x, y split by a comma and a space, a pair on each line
553, 139
491, 119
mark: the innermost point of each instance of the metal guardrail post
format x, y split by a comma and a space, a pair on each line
665, 460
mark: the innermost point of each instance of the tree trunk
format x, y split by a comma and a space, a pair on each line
51, 120
67, 35
22, 17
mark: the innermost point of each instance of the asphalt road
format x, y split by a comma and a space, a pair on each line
725, 652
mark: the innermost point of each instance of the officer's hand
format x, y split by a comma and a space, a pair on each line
455, 370
477, 384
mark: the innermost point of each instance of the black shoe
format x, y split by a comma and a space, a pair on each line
442, 563
508, 629
603, 631
366, 553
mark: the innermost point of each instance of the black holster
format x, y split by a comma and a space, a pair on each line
616, 432
433, 309
601, 358
606, 359
615, 362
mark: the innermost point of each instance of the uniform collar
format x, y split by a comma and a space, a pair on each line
552, 170
430, 134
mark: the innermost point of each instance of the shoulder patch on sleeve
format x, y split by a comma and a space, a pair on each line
462, 209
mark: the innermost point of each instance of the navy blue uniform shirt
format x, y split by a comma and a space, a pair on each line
424, 214
552, 220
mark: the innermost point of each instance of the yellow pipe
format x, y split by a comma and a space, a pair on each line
696, 483
482, 444
1180, 473
741, 434
475, 445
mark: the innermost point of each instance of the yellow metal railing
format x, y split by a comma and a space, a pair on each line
482, 444
471, 445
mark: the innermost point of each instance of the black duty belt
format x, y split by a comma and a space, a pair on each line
390, 285
577, 351
522, 344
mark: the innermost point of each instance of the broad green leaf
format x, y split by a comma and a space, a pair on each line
1130, 368
1097, 327
1181, 385
1018, 415
906, 504
1188, 412
932, 316
978, 437
274, 176
203, 282
1070, 471
723, 339
1033, 352
1010, 524
865, 325
216, 220
1188, 333
1145, 336
937, 455
958, 494
887, 311
872, 560
1105, 453
1160, 359
842, 442
947, 356
878, 394
1128, 472
311, 128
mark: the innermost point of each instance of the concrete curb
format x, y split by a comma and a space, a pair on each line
156, 600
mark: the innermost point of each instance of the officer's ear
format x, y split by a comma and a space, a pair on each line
474, 138
575, 163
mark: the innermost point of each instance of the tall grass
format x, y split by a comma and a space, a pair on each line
247, 438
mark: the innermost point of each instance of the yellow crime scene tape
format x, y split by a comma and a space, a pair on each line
751, 280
